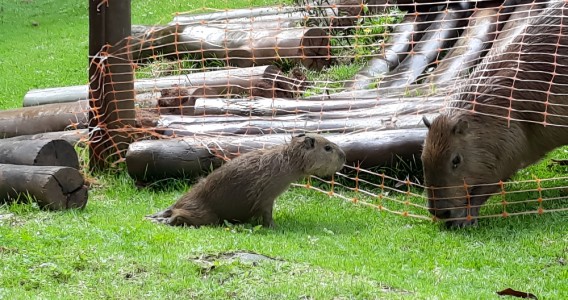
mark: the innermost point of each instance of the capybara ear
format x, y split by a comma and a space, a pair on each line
426, 122
460, 127
310, 142
301, 135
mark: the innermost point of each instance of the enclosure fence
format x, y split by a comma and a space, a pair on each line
181, 97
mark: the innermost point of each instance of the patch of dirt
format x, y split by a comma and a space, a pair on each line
11, 220
238, 268
208, 261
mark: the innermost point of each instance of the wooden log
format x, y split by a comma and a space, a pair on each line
152, 160
429, 5
73, 137
343, 108
234, 14
178, 126
516, 24
395, 49
53, 188
237, 81
38, 152
272, 107
237, 46
335, 13
45, 118
292, 19
181, 101
441, 34
469, 48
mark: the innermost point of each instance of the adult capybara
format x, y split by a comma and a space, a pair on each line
245, 188
508, 115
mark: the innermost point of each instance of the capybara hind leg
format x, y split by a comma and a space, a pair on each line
267, 220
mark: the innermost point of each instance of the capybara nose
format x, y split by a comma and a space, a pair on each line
440, 213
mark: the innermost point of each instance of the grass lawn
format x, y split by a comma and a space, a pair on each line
324, 248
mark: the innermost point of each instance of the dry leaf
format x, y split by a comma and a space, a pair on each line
511, 292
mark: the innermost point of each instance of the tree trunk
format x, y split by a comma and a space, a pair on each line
236, 46
232, 81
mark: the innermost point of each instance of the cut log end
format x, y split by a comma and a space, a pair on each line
53, 188
78, 198
38, 152
315, 50
57, 153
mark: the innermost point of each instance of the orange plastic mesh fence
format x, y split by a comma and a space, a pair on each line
364, 73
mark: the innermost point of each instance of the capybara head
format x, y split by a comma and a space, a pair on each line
460, 168
316, 155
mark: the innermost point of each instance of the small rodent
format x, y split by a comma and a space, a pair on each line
245, 187
511, 112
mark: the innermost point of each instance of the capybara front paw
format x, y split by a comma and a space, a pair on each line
159, 220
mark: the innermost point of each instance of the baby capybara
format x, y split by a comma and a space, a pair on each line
510, 113
245, 188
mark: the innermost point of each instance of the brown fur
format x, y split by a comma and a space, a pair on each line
487, 145
246, 187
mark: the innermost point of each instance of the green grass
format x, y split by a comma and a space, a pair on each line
329, 248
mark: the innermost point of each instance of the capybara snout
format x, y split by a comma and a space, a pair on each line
453, 205
322, 157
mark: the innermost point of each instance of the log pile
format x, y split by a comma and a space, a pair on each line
204, 118
44, 169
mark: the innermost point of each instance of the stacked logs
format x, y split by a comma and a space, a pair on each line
220, 114
44, 168
38, 158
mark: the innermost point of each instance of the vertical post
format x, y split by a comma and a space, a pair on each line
111, 81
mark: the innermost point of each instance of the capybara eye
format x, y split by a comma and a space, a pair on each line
456, 161
327, 148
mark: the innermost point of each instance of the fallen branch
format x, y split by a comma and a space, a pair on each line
53, 188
